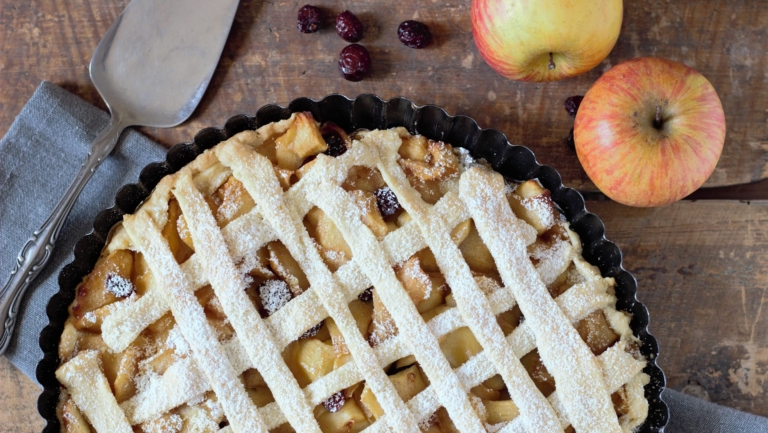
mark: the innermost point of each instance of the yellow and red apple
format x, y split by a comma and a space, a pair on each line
545, 40
650, 131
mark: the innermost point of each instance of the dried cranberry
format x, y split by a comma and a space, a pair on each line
349, 27
570, 141
335, 144
335, 402
311, 332
387, 202
274, 295
572, 104
354, 62
336, 139
310, 19
414, 34
367, 295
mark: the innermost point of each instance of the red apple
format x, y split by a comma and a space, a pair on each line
649, 131
545, 40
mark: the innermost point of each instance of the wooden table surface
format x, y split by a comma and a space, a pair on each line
701, 265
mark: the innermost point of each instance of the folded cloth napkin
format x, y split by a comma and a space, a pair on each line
39, 157
689, 414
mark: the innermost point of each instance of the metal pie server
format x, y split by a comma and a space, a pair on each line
151, 68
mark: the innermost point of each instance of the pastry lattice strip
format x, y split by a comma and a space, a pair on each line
229, 286
257, 176
248, 233
90, 390
568, 358
339, 206
471, 302
120, 328
577, 302
352, 281
340, 219
336, 203
190, 317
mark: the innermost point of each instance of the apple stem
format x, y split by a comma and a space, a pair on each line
551, 65
657, 121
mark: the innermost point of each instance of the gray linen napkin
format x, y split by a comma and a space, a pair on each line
39, 157
689, 414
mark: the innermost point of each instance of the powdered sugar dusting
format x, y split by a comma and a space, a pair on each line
146, 382
165, 424
274, 295
477, 403
552, 260
196, 400
119, 286
230, 203
563, 352
347, 283
493, 428
214, 407
414, 272
191, 319
383, 331
177, 342
249, 262
244, 235
542, 208
90, 317
486, 284
465, 159
181, 227
90, 390
229, 288
426, 423
294, 236
339, 206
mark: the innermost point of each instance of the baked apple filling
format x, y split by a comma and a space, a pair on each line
123, 326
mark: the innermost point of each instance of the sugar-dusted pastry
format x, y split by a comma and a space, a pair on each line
295, 278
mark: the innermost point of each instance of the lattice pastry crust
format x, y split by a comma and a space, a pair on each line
397, 285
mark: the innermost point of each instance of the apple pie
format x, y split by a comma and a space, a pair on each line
297, 278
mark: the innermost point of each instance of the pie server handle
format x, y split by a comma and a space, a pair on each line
38, 249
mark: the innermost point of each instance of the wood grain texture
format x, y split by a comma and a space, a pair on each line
18, 401
266, 60
701, 266
702, 271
